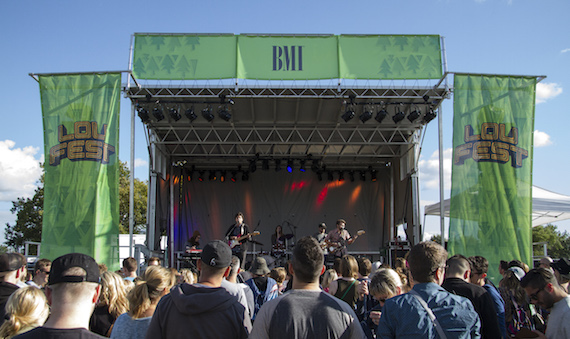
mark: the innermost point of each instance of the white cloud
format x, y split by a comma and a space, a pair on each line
565, 50
541, 139
545, 91
140, 163
19, 170
429, 170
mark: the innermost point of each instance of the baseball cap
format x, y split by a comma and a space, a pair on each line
519, 272
216, 253
562, 266
10, 262
67, 261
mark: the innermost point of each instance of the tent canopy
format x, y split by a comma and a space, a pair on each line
547, 207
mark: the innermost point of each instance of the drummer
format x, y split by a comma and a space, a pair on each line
277, 239
194, 242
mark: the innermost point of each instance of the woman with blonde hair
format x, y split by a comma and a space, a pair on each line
328, 277
26, 309
143, 298
112, 303
344, 287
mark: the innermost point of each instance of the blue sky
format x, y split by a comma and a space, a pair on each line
497, 37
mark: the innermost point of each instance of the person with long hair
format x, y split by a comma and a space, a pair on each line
112, 303
26, 309
519, 311
344, 287
143, 298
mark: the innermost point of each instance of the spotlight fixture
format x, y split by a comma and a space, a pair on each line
348, 114
207, 114
414, 114
362, 176
190, 114
245, 176
430, 115
157, 113
426, 98
399, 116
381, 115
302, 166
224, 113
340, 175
373, 175
143, 114
174, 114
290, 165
233, 178
222, 176
366, 114
200, 175
277, 165
212, 176
265, 164
351, 175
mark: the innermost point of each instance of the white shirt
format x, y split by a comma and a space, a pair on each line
559, 320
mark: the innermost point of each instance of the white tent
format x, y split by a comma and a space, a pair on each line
547, 207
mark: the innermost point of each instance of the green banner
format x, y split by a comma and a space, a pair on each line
491, 191
287, 57
184, 57
390, 57
81, 138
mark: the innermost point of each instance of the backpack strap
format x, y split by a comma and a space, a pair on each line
348, 289
436, 324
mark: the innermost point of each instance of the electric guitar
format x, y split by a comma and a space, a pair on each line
334, 247
236, 242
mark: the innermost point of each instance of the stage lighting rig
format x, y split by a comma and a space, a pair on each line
207, 114
290, 165
381, 115
302, 165
174, 114
430, 115
224, 113
399, 116
143, 114
414, 114
157, 113
277, 165
190, 114
348, 114
265, 165
366, 114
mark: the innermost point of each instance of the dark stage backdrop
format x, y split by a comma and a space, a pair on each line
298, 201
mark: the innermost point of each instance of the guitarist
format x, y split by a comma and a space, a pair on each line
235, 231
339, 238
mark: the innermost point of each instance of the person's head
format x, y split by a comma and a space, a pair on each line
196, 235
561, 270
328, 277
385, 284
340, 224
278, 229
542, 288
187, 276
259, 267
25, 308
336, 266
154, 284
214, 261
479, 269
545, 262
24, 263
401, 264
458, 267
426, 261
503, 267
307, 262
348, 266
235, 267
278, 274
364, 266
322, 227
12, 269
153, 261
113, 293
41, 271
516, 263
239, 218
129, 266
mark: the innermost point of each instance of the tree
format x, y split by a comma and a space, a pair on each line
29, 211
436, 238
557, 242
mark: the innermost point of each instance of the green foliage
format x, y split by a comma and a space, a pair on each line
558, 243
29, 211
436, 238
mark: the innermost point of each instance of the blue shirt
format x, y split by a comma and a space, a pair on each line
499, 307
404, 317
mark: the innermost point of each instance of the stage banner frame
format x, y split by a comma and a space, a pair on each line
491, 193
81, 189
286, 57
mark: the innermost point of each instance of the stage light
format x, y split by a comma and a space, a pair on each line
430, 115
190, 114
207, 114
233, 178
252, 166
143, 114
224, 113
399, 116
348, 114
245, 176
174, 114
302, 166
157, 113
373, 175
212, 176
366, 114
200, 175
222, 176
414, 114
381, 115
426, 98
351, 175
330, 175
340, 176
265, 165
362, 176
277, 165
290, 165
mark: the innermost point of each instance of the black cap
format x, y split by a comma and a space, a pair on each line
216, 253
10, 262
562, 266
65, 262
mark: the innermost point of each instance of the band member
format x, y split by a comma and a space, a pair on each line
239, 232
194, 242
277, 239
337, 239
322, 234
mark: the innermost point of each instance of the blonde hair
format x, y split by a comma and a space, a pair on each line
329, 276
187, 276
385, 282
27, 308
149, 289
278, 274
113, 294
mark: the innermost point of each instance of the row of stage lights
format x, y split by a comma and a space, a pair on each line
174, 110
381, 112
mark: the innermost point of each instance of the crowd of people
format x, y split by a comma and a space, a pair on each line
425, 295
